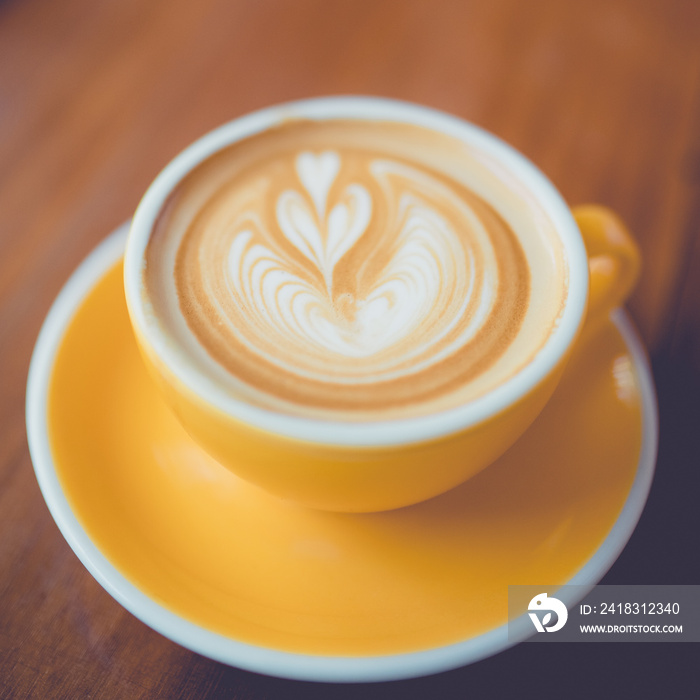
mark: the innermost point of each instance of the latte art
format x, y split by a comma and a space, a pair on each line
339, 279
388, 311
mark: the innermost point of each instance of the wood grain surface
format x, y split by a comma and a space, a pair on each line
96, 96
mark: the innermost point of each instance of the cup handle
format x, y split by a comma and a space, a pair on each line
613, 260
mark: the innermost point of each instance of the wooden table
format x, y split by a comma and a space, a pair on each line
95, 97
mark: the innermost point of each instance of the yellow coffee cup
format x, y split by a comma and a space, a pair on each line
373, 465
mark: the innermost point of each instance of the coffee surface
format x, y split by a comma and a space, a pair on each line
355, 270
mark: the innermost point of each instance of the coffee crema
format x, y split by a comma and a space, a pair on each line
355, 270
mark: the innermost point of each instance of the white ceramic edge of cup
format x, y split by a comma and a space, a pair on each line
268, 661
376, 433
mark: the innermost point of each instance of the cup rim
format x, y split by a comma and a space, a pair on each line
387, 432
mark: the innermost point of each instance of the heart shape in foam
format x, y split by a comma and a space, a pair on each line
408, 295
317, 173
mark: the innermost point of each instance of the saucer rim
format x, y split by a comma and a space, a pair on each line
274, 662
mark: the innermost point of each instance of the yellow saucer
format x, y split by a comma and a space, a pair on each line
201, 555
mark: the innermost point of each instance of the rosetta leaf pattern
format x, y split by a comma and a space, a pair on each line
323, 222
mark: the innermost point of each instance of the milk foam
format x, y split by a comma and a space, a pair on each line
338, 269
